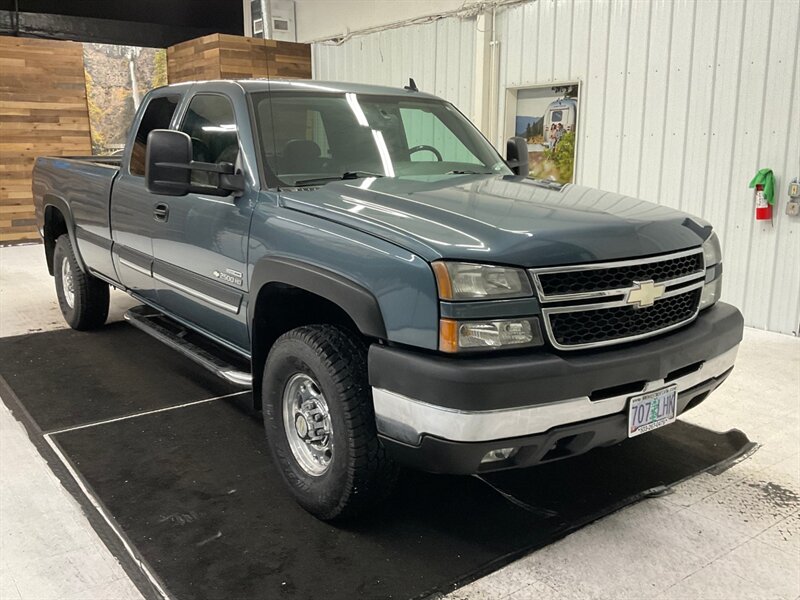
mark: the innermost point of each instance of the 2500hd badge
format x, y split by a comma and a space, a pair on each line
229, 276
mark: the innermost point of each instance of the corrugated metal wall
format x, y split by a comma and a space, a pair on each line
439, 56
681, 102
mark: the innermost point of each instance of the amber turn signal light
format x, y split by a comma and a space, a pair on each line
448, 335
443, 280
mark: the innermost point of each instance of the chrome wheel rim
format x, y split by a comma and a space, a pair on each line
67, 282
307, 424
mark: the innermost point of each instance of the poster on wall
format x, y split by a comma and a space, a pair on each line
547, 117
117, 78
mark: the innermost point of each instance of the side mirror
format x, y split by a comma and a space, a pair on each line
517, 155
169, 166
169, 154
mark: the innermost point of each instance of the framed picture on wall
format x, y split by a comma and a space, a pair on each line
547, 117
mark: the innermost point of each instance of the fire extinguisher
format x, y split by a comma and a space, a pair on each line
764, 184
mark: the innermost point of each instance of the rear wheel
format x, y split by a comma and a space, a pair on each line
83, 299
320, 422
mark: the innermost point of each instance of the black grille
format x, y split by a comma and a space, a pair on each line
592, 280
606, 324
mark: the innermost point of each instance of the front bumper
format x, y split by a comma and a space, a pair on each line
444, 414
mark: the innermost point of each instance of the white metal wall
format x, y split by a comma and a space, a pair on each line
681, 102
439, 56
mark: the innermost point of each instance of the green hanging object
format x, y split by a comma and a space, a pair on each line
767, 179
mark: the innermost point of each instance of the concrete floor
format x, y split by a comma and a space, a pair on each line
736, 535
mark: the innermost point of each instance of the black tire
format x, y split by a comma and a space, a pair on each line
89, 306
359, 475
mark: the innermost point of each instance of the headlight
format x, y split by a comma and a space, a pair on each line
455, 336
468, 281
712, 254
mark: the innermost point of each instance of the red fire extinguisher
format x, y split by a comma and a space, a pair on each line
764, 184
763, 207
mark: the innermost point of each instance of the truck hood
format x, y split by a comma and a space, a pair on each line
507, 220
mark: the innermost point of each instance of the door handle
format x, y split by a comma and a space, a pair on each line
161, 211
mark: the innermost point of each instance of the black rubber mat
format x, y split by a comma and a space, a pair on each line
112, 372
195, 493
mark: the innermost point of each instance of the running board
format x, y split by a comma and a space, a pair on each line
211, 355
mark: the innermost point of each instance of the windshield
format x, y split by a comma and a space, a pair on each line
311, 138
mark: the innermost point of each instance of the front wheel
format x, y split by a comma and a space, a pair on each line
83, 299
320, 422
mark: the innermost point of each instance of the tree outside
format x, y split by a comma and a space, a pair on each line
117, 78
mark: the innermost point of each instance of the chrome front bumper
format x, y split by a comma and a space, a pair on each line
408, 420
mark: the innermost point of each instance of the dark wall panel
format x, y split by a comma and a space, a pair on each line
141, 23
223, 14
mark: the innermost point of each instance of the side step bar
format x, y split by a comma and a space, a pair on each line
210, 355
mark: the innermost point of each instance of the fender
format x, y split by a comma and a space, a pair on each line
63, 207
355, 300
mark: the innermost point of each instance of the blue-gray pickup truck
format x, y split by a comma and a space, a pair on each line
393, 290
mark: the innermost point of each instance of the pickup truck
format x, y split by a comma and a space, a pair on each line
394, 291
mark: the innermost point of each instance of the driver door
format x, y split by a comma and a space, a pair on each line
200, 246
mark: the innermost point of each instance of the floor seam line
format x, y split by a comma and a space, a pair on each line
142, 414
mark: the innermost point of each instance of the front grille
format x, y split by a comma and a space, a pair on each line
588, 279
606, 325
610, 303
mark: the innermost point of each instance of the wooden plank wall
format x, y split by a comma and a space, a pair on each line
43, 112
288, 60
242, 58
221, 56
194, 60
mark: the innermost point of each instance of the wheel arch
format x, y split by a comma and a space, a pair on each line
58, 220
332, 298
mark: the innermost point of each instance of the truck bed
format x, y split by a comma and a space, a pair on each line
113, 159
81, 185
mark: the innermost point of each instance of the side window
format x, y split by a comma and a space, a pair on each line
211, 124
157, 115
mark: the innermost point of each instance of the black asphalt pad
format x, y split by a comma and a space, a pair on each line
195, 492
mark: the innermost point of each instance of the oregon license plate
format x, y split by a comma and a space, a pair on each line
652, 410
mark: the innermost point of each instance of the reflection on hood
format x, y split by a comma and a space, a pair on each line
505, 220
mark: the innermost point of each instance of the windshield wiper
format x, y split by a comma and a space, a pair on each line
343, 176
469, 173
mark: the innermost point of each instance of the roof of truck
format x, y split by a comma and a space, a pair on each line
299, 85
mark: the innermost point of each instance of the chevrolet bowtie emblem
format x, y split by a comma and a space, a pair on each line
645, 293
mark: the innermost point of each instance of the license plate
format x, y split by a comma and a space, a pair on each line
652, 410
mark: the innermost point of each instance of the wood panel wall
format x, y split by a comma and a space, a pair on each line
221, 56
43, 112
